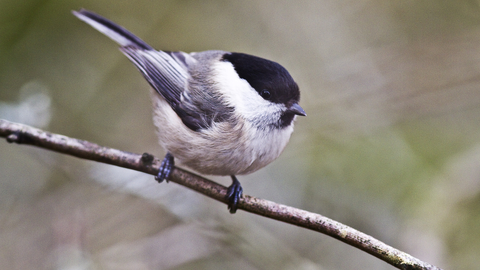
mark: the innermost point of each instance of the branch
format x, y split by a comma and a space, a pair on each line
22, 134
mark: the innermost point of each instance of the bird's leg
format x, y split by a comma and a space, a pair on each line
165, 168
234, 193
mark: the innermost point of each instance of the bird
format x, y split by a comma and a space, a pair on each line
217, 112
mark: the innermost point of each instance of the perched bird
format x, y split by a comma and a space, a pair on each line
217, 112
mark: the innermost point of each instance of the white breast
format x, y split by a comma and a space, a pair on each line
227, 148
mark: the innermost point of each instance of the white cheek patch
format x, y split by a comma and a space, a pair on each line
243, 97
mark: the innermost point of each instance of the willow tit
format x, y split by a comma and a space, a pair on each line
217, 112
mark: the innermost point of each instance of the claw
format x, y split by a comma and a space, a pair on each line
234, 193
165, 168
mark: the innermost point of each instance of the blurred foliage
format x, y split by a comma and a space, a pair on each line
390, 145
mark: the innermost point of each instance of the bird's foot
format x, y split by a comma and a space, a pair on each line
234, 193
165, 168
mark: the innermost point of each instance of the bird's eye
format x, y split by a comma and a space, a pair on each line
265, 94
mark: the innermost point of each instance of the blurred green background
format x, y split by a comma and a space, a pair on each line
391, 144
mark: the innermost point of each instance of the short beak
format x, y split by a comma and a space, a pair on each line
296, 109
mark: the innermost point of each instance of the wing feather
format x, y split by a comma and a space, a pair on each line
169, 78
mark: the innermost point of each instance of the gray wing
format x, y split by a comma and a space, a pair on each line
166, 72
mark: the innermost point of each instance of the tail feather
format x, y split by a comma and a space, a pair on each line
166, 72
114, 31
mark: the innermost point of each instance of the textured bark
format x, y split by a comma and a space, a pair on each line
22, 134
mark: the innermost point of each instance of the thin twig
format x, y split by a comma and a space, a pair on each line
22, 134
